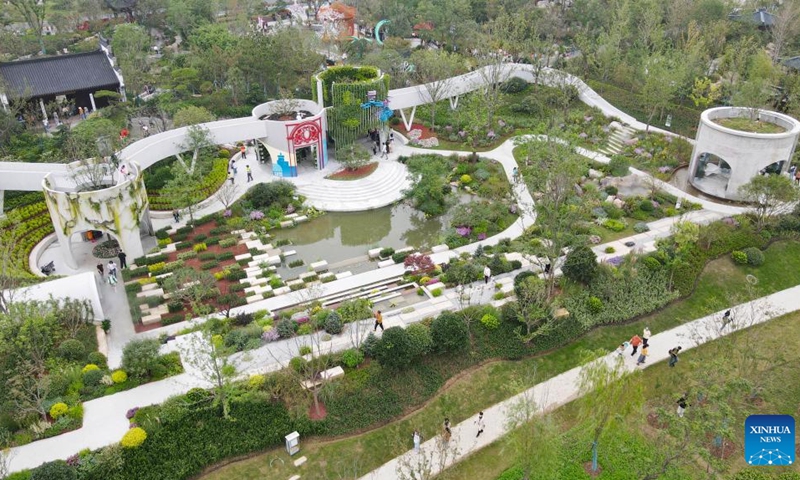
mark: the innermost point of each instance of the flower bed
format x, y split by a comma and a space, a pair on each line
657, 154
23, 228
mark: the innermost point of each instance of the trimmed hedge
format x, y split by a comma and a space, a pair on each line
184, 446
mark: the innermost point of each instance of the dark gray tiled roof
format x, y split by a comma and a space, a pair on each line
58, 74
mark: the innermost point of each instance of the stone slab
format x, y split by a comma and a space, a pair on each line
321, 265
169, 248
305, 275
281, 290
254, 298
254, 281
385, 263
300, 461
274, 260
289, 253
254, 244
292, 283
375, 252
287, 224
342, 275
151, 293
301, 219
243, 256
248, 235
149, 286
440, 248
291, 216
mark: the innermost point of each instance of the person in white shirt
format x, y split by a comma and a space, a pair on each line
487, 274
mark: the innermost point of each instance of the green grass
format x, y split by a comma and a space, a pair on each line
747, 125
721, 285
781, 391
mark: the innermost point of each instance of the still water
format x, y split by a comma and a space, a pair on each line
345, 237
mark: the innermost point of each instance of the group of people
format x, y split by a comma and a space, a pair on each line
233, 170
447, 432
384, 148
111, 269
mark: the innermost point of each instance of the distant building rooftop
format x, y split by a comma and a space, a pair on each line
761, 17
58, 75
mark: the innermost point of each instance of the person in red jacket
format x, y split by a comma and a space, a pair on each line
635, 342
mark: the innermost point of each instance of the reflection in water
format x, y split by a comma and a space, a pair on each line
336, 236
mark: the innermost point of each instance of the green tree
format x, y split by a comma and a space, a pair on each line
663, 75
131, 44
609, 392
209, 360
434, 69
33, 11
581, 265
532, 306
428, 177
394, 349
184, 16
353, 156
192, 115
449, 332
193, 287
182, 191
139, 357
770, 194
198, 138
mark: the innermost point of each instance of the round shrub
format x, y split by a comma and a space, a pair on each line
58, 410
521, 278
611, 190
466, 179
739, 257
333, 324
580, 265
394, 349
646, 206
610, 250
57, 470
197, 395
305, 329
97, 358
119, 376
420, 337
92, 378
256, 381
352, 358
298, 364
140, 357
133, 438
305, 350
490, 321
449, 332
89, 368
641, 227
515, 85
595, 304
652, 263
755, 257
286, 328
71, 349
614, 225
369, 344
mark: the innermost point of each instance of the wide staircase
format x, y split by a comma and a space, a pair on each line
617, 139
383, 187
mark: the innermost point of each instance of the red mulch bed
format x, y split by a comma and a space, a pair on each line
195, 263
426, 132
356, 174
313, 414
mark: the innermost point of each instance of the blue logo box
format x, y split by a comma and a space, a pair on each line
769, 440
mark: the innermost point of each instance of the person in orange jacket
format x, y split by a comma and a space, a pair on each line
635, 342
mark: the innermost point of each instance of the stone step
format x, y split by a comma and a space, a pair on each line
243, 256
365, 192
254, 281
281, 290
321, 265
151, 293
149, 286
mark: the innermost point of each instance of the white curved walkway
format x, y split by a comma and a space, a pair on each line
563, 388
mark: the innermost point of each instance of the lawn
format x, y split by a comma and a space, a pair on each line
747, 125
780, 391
722, 284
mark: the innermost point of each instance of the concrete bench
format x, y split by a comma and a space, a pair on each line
301, 219
292, 283
328, 374
342, 275
317, 266
289, 253
156, 292
374, 252
385, 263
281, 290
254, 298
254, 281
243, 256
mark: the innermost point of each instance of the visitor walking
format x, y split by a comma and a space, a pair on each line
378, 321
112, 268
635, 342
480, 423
515, 174
726, 319
643, 355
249, 173
385, 152
176, 215
446, 432
243, 149
487, 274
646, 336
622, 347
233, 167
673, 355
122, 259
230, 176
112, 280
682, 404
417, 440
100, 269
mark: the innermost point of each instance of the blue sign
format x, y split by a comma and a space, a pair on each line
769, 440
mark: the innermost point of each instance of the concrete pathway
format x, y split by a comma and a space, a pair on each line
564, 387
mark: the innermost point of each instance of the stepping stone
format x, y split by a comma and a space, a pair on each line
248, 235
287, 224
301, 219
281, 290
294, 477
321, 265
342, 275
254, 281
266, 248
326, 275
169, 248
305, 275
292, 283
272, 252
254, 298
151, 293
151, 319
376, 252
291, 216
261, 258
149, 255
254, 244
440, 248
238, 232
274, 260
404, 250
300, 461
253, 270
385, 263
149, 286
243, 256
290, 253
